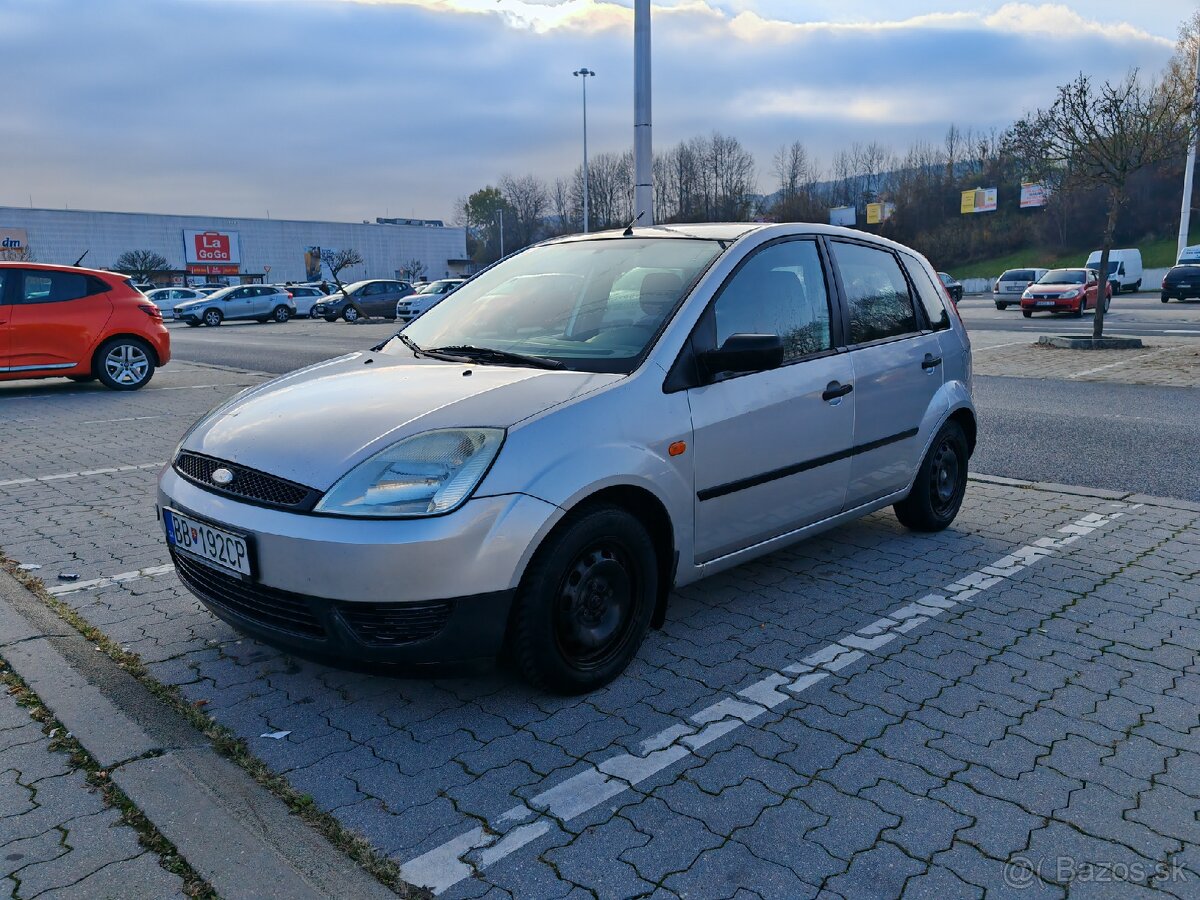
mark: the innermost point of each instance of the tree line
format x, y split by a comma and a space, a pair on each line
1110, 155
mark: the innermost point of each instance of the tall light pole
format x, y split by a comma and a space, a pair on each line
584, 73
501, 220
1185, 211
643, 155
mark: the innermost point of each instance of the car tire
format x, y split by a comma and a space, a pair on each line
585, 602
352, 314
1137, 285
1078, 313
331, 318
941, 483
1027, 313
1165, 297
1108, 303
124, 363
213, 318
1001, 306
281, 314
313, 314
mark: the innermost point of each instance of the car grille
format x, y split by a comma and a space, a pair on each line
395, 624
281, 610
247, 484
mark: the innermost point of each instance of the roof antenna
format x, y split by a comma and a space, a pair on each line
81, 256
628, 232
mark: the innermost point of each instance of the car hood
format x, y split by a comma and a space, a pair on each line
1053, 288
314, 425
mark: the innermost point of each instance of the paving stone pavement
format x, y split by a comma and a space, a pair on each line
58, 839
1007, 707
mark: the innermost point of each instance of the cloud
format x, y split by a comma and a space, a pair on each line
357, 108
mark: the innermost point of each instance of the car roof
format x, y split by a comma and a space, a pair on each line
55, 267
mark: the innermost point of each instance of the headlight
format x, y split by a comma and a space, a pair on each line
422, 475
1027, 294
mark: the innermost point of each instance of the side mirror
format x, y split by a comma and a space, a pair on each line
744, 353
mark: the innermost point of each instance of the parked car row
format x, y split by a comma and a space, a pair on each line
260, 302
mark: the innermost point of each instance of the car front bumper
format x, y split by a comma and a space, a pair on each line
1057, 305
408, 591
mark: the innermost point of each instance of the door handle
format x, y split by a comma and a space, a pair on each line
836, 389
930, 362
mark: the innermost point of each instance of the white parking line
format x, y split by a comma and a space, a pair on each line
63, 476
59, 590
458, 858
1179, 331
998, 346
1123, 362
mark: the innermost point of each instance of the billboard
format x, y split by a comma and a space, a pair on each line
880, 212
212, 248
978, 200
312, 263
842, 215
13, 243
1033, 193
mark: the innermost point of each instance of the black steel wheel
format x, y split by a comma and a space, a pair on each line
585, 602
940, 485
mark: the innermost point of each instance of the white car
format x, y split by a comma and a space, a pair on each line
166, 299
1012, 284
305, 297
426, 297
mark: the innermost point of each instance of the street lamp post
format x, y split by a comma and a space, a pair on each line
501, 220
584, 73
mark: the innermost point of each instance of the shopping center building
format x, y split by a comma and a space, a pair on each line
234, 249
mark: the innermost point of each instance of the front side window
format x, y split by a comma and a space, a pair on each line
52, 287
877, 293
593, 305
780, 290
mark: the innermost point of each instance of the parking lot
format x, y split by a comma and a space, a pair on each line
1005, 707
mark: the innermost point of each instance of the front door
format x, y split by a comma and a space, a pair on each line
56, 317
769, 446
897, 362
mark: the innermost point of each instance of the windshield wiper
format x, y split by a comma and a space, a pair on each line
487, 354
418, 350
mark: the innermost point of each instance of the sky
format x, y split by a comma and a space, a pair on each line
351, 109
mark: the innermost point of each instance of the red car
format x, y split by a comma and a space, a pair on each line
1064, 290
83, 324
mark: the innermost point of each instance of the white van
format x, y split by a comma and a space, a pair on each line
1190, 256
1124, 268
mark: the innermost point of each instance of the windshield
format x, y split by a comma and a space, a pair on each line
430, 288
1113, 265
1017, 275
1063, 276
351, 288
593, 305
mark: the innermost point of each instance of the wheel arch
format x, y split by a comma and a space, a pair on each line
648, 509
100, 344
966, 420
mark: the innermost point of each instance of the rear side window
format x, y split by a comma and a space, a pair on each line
877, 293
53, 287
1018, 275
929, 294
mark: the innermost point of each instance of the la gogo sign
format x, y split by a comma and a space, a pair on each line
211, 247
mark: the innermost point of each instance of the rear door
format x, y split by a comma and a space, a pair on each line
770, 447
7, 276
897, 361
57, 317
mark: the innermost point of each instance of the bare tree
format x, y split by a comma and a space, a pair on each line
528, 201
413, 270
337, 260
1103, 136
20, 254
142, 265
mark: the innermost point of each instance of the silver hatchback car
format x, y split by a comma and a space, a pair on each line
538, 460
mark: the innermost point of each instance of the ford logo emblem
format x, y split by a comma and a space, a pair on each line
222, 476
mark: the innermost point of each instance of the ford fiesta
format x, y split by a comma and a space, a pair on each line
533, 464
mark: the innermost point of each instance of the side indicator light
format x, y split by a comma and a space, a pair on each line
677, 448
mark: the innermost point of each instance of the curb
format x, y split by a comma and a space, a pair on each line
232, 831
1077, 491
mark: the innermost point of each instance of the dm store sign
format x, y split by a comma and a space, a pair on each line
209, 248
13, 243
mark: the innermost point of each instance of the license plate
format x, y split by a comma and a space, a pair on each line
1045, 303
213, 545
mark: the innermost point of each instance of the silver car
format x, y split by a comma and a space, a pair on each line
539, 459
1012, 284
